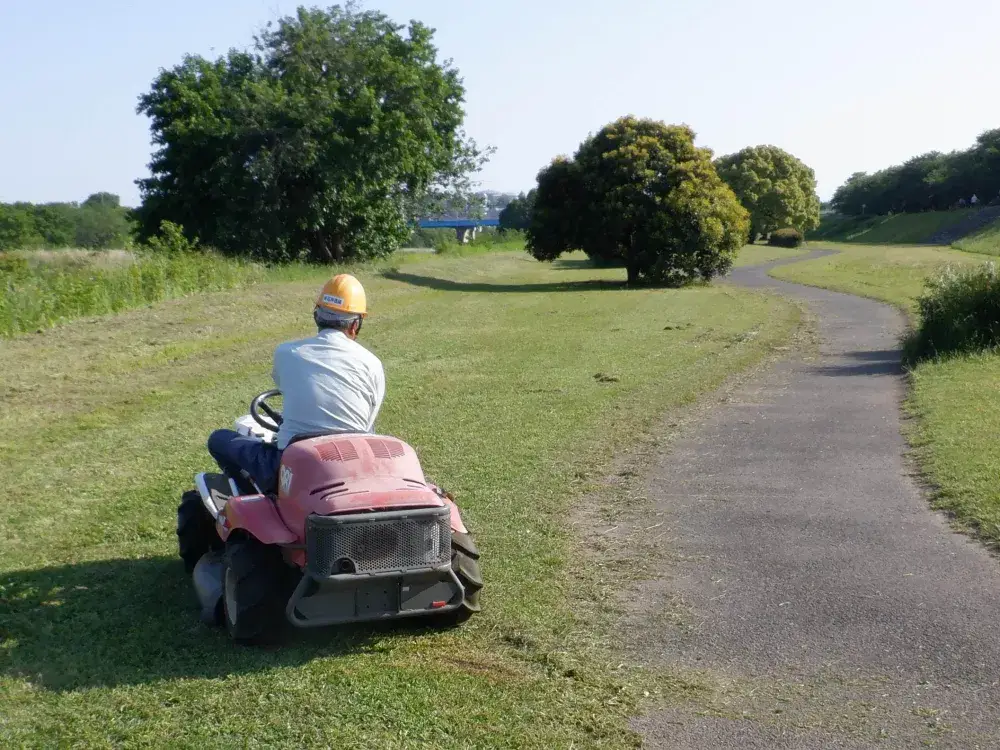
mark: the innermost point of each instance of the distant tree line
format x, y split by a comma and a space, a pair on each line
100, 222
931, 181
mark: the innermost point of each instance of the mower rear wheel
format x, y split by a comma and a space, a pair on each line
464, 562
253, 584
196, 532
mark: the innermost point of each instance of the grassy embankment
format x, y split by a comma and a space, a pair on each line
517, 381
895, 229
955, 400
985, 241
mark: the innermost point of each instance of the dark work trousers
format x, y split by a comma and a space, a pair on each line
234, 452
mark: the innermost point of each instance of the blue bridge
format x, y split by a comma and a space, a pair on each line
465, 229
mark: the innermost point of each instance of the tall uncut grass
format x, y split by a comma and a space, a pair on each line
38, 292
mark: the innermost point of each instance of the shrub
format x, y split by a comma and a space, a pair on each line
171, 240
959, 312
785, 238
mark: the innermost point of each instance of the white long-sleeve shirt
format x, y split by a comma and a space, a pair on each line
329, 383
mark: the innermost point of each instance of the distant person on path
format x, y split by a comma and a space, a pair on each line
329, 382
974, 200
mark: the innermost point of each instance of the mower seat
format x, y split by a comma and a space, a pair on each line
312, 435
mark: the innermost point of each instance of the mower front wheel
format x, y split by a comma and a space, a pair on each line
196, 532
253, 576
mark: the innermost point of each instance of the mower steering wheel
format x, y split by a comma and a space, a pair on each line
259, 404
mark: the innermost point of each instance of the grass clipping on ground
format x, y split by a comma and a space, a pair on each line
494, 368
955, 400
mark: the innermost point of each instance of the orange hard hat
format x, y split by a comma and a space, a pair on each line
343, 294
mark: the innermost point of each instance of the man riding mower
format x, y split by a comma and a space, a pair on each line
315, 518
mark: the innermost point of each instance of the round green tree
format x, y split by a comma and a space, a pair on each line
776, 188
641, 194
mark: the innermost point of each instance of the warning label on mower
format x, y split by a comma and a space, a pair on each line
286, 480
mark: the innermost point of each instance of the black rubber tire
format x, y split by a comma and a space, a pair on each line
464, 561
253, 600
196, 532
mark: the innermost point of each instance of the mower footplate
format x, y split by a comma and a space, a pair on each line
216, 490
340, 599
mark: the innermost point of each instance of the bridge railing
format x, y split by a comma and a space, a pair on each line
456, 223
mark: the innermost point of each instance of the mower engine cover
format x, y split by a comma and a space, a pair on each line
377, 536
350, 474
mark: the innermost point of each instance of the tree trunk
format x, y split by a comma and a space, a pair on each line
631, 264
633, 272
320, 251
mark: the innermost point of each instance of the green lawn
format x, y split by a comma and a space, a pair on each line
957, 405
955, 401
752, 255
491, 362
891, 273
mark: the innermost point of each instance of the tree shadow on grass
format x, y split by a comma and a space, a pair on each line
572, 264
447, 285
124, 622
579, 264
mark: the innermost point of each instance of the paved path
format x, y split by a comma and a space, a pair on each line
831, 606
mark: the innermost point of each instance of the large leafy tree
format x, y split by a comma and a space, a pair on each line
641, 194
317, 143
103, 199
776, 188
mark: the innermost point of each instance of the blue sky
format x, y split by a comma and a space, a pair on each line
844, 86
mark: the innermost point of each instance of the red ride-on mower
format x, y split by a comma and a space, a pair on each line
355, 533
